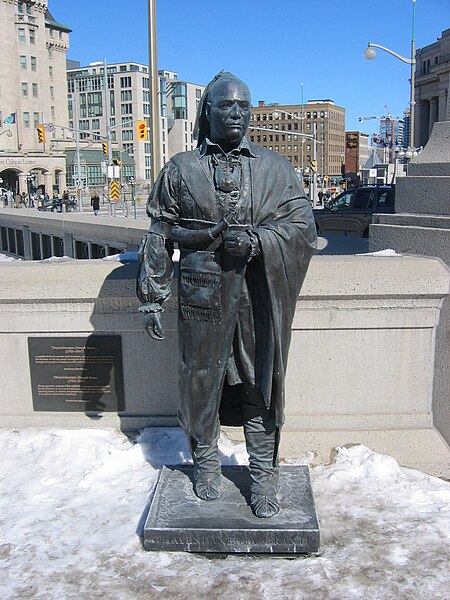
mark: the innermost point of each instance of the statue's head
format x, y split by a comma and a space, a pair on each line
224, 112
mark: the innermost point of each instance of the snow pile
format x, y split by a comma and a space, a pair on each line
73, 502
5, 258
386, 252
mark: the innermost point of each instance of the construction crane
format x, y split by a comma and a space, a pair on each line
386, 142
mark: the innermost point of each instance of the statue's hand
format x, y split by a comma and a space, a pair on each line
237, 243
152, 324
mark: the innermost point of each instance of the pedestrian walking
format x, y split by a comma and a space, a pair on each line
95, 203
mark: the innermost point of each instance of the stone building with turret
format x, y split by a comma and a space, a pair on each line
33, 91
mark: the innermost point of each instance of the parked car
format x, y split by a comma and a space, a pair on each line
350, 213
53, 204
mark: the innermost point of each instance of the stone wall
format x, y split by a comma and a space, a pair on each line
360, 367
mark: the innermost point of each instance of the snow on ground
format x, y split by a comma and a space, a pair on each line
72, 504
3, 257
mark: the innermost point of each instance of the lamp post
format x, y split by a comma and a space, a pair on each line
154, 96
370, 54
132, 183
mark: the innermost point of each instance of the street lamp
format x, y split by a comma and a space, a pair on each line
132, 183
370, 53
154, 96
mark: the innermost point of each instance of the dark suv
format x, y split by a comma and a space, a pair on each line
351, 212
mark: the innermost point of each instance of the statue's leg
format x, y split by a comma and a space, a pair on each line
262, 438
207, 470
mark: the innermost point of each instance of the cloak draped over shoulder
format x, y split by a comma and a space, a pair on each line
243, 334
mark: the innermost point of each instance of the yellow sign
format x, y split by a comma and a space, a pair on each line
114, 191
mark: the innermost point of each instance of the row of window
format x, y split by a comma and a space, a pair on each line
95, 176
323, 114
22, 35
34, 90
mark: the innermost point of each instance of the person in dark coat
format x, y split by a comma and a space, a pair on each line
246, 234
95, 203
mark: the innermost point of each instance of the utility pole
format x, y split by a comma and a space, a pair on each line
301, 131
107, 113
314, 182
412, 103
77, 145
154, 97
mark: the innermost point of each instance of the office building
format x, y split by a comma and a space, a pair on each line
357, 152
129, 101
32, 92
286, 126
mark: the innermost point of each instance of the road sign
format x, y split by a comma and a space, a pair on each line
79, 184
114, 191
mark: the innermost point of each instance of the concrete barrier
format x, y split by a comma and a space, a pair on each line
37, 235
360, 367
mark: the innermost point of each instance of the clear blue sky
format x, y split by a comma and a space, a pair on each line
273, 46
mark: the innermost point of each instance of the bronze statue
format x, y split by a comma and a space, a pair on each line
246, 234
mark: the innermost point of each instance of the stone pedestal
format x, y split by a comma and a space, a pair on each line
421, 225
179, 521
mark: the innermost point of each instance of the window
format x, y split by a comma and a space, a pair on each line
33, 62
113, 136
20, 7
83, 106
112, 104
95, 123
24, 88
95, 175
50, 73
52, 112
32, 36
363, 198
95, 104
125, 82
126, 109
127, 135
21, 32
35, 119
52, 92
23, 63
26, 120
126, 95
35, 90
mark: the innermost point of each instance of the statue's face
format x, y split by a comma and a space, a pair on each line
228, 111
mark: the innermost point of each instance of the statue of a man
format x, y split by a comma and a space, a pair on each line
246, 234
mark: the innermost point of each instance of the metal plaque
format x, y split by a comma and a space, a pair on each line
75, 374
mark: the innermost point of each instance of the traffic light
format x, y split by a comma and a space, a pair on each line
41, 134
313, 164
117, 162
105, 148
141, 130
